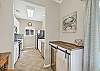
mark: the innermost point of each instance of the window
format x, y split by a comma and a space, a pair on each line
29, 32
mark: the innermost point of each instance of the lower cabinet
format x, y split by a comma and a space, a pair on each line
53, 58
16, 51
42, 48
41, 45
66, 56
69, 61
61, 61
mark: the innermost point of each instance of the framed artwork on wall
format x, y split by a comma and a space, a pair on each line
69, 23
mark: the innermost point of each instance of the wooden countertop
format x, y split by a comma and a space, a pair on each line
66, 45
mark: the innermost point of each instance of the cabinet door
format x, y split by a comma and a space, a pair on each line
53, 58
59, 60
42, 48
14, 54
17, 51
65, 65
39, 44
76, 60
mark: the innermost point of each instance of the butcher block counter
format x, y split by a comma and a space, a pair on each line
66, 45
66, 56
4, 57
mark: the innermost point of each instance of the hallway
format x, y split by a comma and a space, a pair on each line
30, 60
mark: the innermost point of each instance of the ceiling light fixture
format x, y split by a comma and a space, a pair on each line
29, 23
30, 13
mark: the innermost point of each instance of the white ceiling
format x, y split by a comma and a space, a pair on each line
20, 10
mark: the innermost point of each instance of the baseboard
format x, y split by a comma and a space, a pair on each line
46, 66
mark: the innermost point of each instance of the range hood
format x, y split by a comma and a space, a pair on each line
58, 1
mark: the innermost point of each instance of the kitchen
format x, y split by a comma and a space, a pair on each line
29, 28
75, 32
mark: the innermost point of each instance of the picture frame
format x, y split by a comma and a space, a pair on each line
69, 23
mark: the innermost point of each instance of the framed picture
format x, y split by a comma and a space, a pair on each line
69, 23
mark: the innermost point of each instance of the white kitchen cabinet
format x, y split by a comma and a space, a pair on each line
16, 51
76, 60
69, 57
41, 44
61, 61
72, 62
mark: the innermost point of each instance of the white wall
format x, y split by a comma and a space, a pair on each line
6, 26
52, 23
66, 8
23, 23
16, 24
29, 41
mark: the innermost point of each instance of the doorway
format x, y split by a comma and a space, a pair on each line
29, 28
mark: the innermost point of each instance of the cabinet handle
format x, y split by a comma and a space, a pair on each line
65, 56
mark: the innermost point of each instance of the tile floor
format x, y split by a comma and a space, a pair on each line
30, 60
